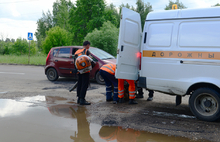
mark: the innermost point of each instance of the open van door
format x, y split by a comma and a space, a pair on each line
129, 44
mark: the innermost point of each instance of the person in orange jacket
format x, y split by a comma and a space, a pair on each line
107, 72
131, 90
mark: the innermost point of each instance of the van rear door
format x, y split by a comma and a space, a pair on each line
129, 44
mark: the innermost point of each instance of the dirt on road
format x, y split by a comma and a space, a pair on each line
158, 116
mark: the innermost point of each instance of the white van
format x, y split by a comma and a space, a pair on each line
178, 53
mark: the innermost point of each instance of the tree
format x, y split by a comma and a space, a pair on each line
7, 40
179, 5
87, 16
217, 4
111, 14
61, 7
2, 43
127, 6
33, 48
143, 10
61, 13
20, 46
43, 25
12, 40
106, 38
56, 36
7, 48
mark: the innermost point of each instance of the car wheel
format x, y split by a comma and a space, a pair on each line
99, 78
204, 104
52, 74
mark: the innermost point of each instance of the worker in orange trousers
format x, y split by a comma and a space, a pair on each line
131, 90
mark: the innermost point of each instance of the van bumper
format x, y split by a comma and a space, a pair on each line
142, 83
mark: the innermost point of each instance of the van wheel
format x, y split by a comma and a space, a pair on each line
99, 79
204, 104
52, 74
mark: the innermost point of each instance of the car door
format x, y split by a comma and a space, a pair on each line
64, 61
129, 45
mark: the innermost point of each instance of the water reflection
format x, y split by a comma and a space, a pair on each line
72, 111
82, 126
104, 133
119, 134
15, 108
130, 135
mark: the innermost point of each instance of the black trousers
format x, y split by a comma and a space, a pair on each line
151, 93
83, 83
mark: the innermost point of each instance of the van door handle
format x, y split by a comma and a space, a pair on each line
122, 48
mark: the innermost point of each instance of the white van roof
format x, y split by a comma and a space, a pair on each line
184, 13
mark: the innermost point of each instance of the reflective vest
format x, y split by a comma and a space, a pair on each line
110, 68
80, 52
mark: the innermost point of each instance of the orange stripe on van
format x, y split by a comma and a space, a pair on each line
182, 54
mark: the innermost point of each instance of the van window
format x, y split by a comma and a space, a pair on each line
160, 35
64, 53
199, 34
130, 36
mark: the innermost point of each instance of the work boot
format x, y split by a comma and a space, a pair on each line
109, 100
149, 98
121, 100
132, 101
139, 96
114, 102
84, 102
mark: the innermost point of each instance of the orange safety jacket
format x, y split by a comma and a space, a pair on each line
110, 68
80, 52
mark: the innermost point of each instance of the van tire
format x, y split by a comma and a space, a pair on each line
52, 74
99, 79
204, 103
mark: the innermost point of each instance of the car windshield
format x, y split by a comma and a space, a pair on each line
101, 54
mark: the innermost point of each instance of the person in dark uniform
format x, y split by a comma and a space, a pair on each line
83, 79
150, 94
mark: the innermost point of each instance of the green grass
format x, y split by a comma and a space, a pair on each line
23, 59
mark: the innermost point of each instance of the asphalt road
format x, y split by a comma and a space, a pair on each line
160, 116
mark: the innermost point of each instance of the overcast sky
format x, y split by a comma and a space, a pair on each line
18, 17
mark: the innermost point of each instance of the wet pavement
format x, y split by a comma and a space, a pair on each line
50, 118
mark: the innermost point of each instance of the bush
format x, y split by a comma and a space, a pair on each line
20, 46
106, 38
56, 36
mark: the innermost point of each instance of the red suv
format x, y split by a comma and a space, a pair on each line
60, 62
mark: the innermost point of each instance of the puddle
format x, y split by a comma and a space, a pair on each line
58, 119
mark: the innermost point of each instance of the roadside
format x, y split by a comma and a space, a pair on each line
23, 60
159, 116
